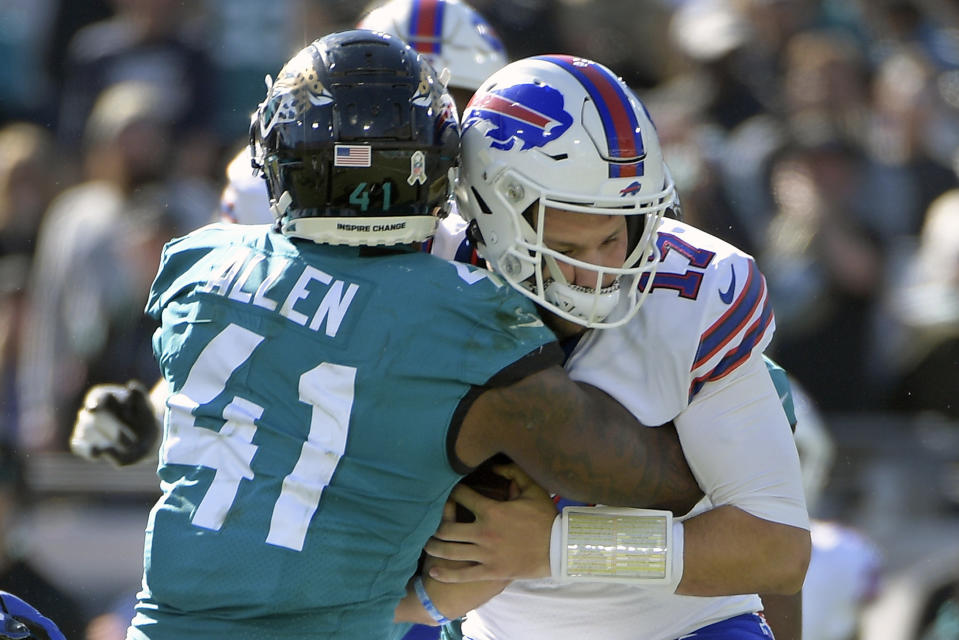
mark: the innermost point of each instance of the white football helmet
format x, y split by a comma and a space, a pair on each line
448, 33
244, 199
564, 132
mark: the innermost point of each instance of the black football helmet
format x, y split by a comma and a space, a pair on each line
358, 141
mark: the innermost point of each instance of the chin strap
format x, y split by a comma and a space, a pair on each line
589, 305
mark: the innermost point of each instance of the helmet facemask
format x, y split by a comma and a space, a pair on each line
532, 267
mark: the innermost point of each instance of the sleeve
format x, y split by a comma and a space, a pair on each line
183, 258
707, 313
740, 447
744, 328
499, 335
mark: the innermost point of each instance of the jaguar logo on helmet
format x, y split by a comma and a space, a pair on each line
530, 113
440, 101
295, 90
424, 92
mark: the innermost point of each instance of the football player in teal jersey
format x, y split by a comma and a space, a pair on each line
330, 383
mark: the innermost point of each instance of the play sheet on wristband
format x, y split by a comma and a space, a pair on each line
616, 544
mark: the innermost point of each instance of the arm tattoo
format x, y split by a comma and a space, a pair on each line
579, 442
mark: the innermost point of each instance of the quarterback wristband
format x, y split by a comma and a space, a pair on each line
613, 544
424, 597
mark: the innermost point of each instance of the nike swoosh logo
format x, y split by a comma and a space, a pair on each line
727, 295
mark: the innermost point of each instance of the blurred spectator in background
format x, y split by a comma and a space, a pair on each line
715, 37
925, 304
824, 267
14, 272
249, 39
31, 175
825, 82
17, 573
693, 110
911, 139
629, 36
150, 42
532, 27
85, 292
845, 567
26, 87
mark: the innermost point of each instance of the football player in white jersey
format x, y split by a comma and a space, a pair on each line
450, 34
561, 185
845, 568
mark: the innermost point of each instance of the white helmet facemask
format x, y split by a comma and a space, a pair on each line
591, 306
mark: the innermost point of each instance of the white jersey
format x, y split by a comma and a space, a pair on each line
691, 355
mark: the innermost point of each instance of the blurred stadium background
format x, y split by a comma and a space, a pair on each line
822, 136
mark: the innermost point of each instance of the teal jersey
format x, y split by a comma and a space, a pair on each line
304, 461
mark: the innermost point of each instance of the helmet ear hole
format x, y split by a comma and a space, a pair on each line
481, 202
527, 214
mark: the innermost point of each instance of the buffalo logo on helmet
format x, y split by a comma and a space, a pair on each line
295, 90
530, 113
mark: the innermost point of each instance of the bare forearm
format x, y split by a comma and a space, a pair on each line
665, 481
452, 600
580, 443
728, 551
